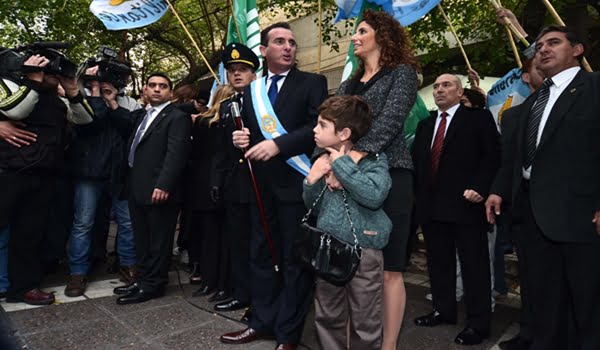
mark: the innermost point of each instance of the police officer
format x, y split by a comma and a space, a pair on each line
241, 64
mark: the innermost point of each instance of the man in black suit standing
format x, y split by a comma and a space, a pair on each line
287, 114
157, 153
550, 175
456, 154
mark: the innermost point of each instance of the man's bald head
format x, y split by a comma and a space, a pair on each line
447, 91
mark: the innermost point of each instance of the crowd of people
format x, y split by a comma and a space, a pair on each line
238, 175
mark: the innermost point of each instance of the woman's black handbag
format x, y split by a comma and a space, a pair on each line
333, 260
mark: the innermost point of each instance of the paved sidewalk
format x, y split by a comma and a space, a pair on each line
96, 322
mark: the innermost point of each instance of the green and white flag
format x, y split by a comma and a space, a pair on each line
245, 29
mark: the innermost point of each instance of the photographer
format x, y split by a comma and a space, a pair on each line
97, 157
28, 167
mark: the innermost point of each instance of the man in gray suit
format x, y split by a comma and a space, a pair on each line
551, 175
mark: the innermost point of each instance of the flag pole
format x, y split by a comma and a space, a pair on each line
319, 39
237, 29
511, 40
558, 20
513, 45
462, 50
511, 26
194, 42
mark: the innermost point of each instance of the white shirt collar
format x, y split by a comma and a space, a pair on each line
565, 76
159, 108
450, 110
284, 74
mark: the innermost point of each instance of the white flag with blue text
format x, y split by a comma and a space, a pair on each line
128, 14
508, 91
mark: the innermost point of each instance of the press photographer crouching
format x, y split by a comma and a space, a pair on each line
97, 159
29, 99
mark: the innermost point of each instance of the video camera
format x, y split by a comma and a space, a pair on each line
12, 60
110, 69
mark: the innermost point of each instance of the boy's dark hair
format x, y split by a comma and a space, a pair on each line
264, 34
573, 38
350, 112
475, 97
162, 75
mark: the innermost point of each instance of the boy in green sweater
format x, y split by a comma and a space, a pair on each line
342, 121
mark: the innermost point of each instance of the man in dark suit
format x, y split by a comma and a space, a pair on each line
456, 153
280, 300
158, 150
550, 175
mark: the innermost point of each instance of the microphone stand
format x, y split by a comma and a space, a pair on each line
237, 117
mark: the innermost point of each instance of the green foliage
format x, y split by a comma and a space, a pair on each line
164, 46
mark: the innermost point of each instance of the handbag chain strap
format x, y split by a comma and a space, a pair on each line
305, 218
357, 248
347, 207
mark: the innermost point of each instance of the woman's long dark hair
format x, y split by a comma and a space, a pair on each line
393, 40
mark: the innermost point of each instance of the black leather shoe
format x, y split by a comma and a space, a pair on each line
431, 320
219, 296
230, 305
470, 336
138, 297
516, 343
128, 289
202, 291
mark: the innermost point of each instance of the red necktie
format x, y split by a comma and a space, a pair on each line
438, 143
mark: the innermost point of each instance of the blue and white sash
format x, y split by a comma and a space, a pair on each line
269, 124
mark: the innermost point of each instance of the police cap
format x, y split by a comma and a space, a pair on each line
238, 53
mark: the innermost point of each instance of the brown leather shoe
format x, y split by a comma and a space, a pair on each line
286, 347
76, 286
244, 336
127, 274
33, 297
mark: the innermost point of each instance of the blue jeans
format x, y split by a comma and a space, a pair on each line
4, 234
86, 197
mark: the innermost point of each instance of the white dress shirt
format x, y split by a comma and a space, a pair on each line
279, 82
560, 83
451, 111
153, 116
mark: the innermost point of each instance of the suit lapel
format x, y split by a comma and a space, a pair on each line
428, 129
562, 106
456, 120
138, 116
157, 120
286, 89
521, 129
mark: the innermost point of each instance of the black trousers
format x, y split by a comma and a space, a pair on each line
237, 237
280, 300
526, 315
207, 246
442, 241
60, 220
153, 232
564, 286
25, 199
